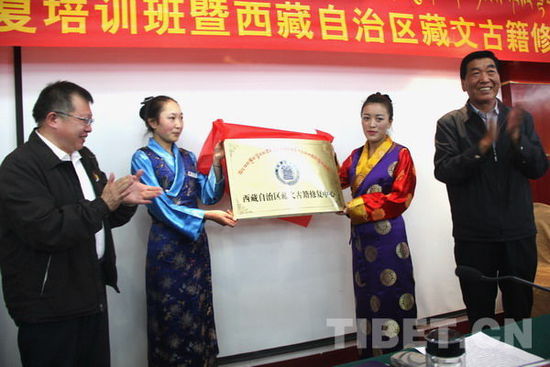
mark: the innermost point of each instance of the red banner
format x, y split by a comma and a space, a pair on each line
513, 29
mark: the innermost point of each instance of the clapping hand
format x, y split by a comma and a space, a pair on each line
514, 123
128, 190
490, 136
139, 193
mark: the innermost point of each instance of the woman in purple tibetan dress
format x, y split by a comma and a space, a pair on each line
180, 316
382, 179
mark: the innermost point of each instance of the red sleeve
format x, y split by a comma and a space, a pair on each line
344, 173
380, 206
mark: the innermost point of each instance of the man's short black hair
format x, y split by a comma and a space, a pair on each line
473, 56
57, 97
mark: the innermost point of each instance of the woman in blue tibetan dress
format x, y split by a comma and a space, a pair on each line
180, 316
382, 179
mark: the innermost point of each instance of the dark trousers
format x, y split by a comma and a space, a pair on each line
517, 257
80, 342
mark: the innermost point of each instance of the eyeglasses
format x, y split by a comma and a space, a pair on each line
87, 120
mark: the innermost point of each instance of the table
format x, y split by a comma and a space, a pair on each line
540, 341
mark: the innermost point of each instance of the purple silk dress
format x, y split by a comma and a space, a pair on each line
382, 266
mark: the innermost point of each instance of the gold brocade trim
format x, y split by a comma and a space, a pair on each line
402, 250
358, 280
390, 328
382, 227
371, 253
366, 163
406, 301
375, 304
374, 188
356, 211
388, 277
391, 168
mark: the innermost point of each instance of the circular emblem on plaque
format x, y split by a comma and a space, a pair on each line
390, 328
371, 253
382, 227
374, 188
388, 277
287, 172
374, 303
406, 301
402, 250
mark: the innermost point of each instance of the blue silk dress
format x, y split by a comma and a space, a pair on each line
180, 315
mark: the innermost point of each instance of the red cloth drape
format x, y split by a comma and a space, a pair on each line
221, 131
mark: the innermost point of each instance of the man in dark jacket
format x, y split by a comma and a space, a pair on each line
485, 154
57, 209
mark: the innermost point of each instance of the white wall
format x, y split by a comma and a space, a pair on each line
274, 283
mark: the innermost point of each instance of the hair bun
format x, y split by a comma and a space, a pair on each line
147, 99
378, 94
145, 106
